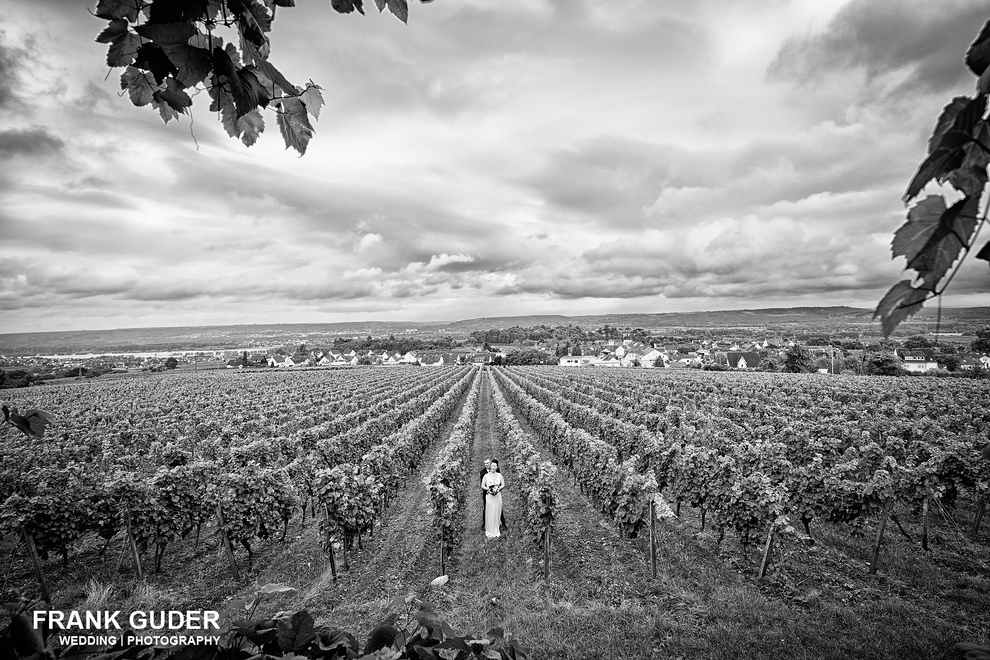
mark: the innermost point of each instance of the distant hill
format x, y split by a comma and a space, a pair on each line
767, 318
791, 319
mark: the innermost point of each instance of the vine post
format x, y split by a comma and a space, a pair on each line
653, 537
36, 560
333, 559
979, 517
879, 540
226, 543
546, 553
443, 568
767, 552
924, 524
133, 544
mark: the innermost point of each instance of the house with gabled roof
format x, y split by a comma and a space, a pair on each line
280, 361
917, 361
483, 358
743, 359
653, 358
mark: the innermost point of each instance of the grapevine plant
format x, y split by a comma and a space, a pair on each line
173, 49
938, 234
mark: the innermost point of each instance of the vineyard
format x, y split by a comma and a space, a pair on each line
690, 513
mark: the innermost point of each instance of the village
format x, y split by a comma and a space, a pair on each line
917, 354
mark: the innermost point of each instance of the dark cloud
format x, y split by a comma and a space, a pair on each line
10, 72
927, 40
34, 141
611, 180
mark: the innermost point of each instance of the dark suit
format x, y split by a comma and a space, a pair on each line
481, 477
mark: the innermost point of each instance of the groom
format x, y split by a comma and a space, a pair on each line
481, 477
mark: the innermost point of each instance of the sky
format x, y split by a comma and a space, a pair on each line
486, 159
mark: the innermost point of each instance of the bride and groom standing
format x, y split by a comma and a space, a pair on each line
492, 483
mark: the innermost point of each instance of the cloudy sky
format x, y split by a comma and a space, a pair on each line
487, 159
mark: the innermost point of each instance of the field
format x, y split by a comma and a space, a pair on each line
384, 463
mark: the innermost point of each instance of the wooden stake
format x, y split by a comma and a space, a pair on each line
653, 537
443, 567
134, 550
226, 544
979, 517
333, 560
546, 554
883, 525
924, 524
767, 552
36, 560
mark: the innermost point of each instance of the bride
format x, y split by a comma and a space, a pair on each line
493, 483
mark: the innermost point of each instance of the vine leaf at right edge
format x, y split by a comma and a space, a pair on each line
936, 238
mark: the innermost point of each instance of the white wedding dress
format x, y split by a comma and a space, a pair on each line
493, 504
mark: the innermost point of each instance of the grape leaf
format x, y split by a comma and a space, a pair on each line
294, 124
151, 57
269, 71
164, 109
398, 7
175, 95
971, 177
138, 86
128, 9
167, 33
192, 63
248, 128
950, 234
946, 121
204, 41
284, 3
296, 631
347, 6
978, 55
921, 224
383, 636
937, 166
124, 44
312, 98
178, 10
951, 145
252, 19
900, 303
243, 86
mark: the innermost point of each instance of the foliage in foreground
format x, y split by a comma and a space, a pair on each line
937, 235
172, 48
415, 632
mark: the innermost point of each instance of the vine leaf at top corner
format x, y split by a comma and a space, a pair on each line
934, 235
110, 9
398, 7
294, 124
900, 303
137, 85
312, 98
347, 6
124, 44
978, 55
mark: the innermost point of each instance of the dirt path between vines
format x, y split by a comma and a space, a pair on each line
402, 557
